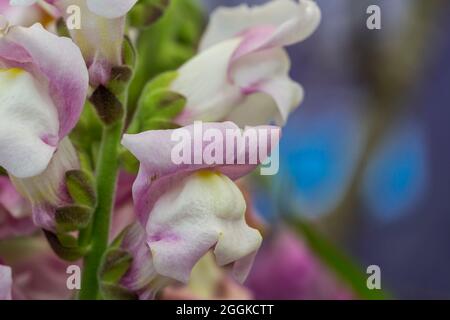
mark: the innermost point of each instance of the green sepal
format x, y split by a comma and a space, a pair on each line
3, 172
115, 261
120, 77
81, 188
158, 105
161, 104
162, 81
128, 52
147, 12
116, 292
61, 28
128, 161
115, 264
108, 106
72, 218
86, 137
158, 124
65, 246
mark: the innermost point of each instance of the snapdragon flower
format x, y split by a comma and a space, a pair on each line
43, 86
100, 34
185, 210
241, 72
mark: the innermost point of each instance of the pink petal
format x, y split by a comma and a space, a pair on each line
5, 283
55, 60
276, 23
158, 172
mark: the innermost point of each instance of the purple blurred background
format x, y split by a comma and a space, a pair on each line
366, 156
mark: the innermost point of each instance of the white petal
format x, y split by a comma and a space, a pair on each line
242, 267
266, 74
111, 8
256, 109
204, 82
28, 124
204, 210
47, 191
286, 93
293, 20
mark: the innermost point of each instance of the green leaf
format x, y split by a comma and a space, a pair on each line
72, 218
337, 261
81, 188
65, 246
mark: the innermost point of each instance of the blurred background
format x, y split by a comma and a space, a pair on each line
364, 176
365, 161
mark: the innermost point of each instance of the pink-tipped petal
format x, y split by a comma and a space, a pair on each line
56, 61
284, 22
249, 44
158, 171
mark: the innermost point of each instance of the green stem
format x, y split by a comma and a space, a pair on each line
107, 172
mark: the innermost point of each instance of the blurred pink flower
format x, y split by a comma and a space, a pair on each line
15, 212
37, 273
241, 72
285, 268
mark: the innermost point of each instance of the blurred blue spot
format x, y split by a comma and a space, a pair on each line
265, 205
395, 177
319, 156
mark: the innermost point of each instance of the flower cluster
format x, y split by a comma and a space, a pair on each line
60, 86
